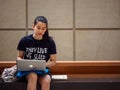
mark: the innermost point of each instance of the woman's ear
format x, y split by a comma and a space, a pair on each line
33, 26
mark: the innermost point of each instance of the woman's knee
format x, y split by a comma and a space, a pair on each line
32, 76
45, 80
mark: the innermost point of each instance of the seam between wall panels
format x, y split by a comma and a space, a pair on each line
26, 17
74, 40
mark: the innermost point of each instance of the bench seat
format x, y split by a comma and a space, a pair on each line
74, 82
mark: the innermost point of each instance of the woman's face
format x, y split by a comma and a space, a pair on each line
39, 29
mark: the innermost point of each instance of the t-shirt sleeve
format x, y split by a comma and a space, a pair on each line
52, 47
21, 45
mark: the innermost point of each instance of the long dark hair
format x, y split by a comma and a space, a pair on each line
44, 20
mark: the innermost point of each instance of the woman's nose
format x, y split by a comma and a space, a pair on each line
40, 30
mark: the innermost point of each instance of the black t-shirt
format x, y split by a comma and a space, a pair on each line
37, 49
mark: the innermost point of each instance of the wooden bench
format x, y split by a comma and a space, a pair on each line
77, 67
82, 75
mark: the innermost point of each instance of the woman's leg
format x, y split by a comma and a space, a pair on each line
32, 81
44, 81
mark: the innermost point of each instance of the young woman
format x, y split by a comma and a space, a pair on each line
38, 46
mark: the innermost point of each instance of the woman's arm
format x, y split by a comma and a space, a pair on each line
20, 55
52, 61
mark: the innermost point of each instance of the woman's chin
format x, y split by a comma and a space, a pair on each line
38, 37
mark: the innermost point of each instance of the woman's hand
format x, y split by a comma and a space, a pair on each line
52, 61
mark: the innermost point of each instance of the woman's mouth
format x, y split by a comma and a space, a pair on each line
39, 33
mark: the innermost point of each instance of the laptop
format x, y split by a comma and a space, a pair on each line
27, 65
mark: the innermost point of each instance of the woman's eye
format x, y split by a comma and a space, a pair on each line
43, 28
38, 28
